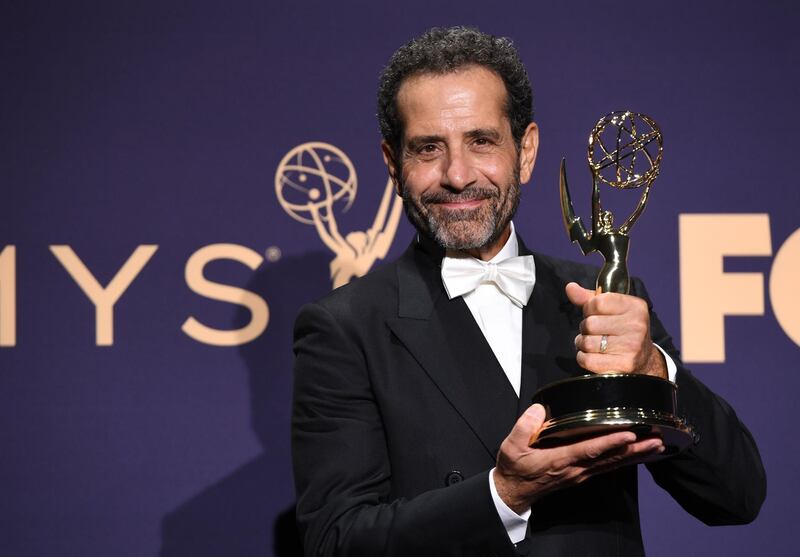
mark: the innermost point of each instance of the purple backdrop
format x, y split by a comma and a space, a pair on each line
164, 125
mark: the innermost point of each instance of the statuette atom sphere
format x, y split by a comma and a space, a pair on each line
625, 150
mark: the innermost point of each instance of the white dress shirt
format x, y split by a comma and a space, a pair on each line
500, 320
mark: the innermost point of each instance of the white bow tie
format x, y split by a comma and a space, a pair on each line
514, 276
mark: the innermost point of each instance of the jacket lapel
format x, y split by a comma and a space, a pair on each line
446, 341
549, 325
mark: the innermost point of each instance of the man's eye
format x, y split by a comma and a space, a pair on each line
482, 141
427, 149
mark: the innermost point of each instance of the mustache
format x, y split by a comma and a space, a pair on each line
469, 194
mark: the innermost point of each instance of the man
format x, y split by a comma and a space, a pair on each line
411, 420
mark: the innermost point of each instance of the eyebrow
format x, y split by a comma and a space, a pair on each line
489, 133
419, 140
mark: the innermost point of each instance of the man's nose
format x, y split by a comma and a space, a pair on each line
458, 173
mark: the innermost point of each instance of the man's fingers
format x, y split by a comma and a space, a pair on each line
608, 324
578, 295
527, 427
524, 474
594, 344
609, 303
597, 447
635, 453
607, 363
612, 303
616, 455
631, 450
619, 354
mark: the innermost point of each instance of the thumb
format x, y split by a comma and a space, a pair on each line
578, 295
527, 428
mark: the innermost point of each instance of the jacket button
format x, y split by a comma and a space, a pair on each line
453, 477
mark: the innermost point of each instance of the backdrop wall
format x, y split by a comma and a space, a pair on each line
150, 413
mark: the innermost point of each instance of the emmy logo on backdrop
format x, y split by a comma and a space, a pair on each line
316, 180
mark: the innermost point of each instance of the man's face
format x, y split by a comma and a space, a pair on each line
461, 169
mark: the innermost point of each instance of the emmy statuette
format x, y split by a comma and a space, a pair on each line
625, 151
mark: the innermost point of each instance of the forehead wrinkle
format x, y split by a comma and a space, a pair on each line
435, 104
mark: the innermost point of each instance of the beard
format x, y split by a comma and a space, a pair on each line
464, 229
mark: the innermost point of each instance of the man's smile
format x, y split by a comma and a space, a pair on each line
462, 203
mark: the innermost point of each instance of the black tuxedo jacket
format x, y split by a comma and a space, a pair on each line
400, 407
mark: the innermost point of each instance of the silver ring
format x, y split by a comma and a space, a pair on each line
603, 344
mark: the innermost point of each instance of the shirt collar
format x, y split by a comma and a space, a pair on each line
510, 248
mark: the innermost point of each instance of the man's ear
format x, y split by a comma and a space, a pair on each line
391, 165
528, 148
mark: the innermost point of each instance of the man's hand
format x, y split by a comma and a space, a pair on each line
624, 321
524, 474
